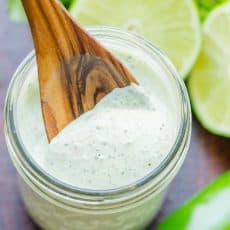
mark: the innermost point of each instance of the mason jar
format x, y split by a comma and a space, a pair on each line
55, 205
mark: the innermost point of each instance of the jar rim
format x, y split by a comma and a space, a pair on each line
183, 135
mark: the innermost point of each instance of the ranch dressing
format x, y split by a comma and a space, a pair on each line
126, 136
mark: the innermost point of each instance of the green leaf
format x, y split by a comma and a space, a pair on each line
16, 11
206, 6
66, 3
208, 210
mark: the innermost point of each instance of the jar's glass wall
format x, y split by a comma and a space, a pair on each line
52, 215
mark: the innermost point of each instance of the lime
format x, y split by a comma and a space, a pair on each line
209, 85
207, 210
172, 25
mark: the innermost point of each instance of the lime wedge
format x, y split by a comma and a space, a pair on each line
209, 85
207, 210
172, 25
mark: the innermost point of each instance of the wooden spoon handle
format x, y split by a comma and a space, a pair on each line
49, 19
75, 71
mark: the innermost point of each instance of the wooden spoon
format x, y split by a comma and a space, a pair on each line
75, 71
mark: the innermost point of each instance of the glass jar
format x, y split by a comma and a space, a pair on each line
56, 205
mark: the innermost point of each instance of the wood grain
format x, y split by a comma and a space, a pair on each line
75, 71
208, 155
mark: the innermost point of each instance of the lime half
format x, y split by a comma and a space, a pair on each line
172, 25
209, 85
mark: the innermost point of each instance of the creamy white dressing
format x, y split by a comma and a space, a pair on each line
125, 137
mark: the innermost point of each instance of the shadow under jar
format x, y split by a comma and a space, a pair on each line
55, 204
